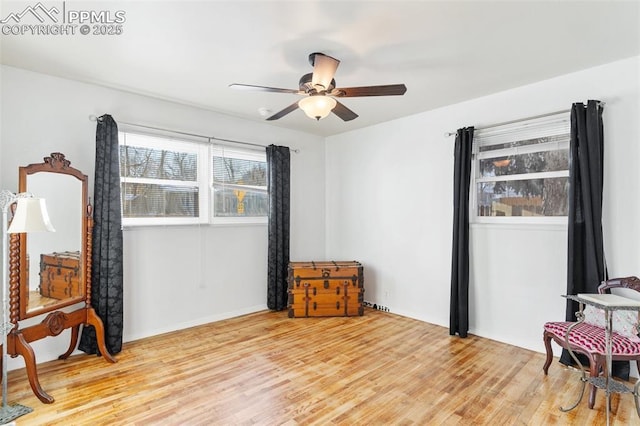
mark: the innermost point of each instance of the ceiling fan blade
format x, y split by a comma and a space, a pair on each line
343, 112
324, 68
284, 112
264, 89
386, 90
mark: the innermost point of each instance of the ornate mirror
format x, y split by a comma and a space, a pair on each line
53, 264
52, 270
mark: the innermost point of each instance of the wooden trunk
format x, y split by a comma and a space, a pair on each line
60, 275
325, 289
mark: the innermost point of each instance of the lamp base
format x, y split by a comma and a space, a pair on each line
12, 412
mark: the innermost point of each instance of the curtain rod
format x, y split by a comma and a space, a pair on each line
549, 114
178, 132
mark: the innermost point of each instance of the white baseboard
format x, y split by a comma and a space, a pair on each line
193, 323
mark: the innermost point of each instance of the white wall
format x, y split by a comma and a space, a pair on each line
179, 276
387, 191
389, 205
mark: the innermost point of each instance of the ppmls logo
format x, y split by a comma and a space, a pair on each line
40, 20
38, 11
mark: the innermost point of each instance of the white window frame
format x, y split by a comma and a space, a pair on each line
552, 125
166, 143
245, 154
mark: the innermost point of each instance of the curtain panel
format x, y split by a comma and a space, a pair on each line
107, 271
586, 264
278, 185
459, 310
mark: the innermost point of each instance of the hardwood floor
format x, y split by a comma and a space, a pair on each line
267, 369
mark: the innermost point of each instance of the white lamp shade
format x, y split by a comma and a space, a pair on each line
31, 216
317, 106
324, 68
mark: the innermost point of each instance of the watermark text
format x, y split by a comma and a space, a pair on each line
62, 19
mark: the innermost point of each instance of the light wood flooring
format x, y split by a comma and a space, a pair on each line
267, 369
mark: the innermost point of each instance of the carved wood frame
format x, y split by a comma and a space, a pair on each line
19, 339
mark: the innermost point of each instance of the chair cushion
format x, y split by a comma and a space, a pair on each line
591, 339
623, 322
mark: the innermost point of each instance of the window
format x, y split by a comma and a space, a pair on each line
521, 171
239, 186
161, 180
166, 181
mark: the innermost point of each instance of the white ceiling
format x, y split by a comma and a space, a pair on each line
444, 51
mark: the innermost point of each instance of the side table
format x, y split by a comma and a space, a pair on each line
608, 303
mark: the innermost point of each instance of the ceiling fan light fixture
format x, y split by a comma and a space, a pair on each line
315, 86
318, 106
324, 68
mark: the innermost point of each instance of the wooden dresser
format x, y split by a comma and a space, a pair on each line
325, 289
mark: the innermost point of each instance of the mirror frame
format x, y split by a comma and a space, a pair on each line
56, 163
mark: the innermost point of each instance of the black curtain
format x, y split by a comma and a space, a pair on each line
278, 184
106, 274
586, 267
586, 264
459, 313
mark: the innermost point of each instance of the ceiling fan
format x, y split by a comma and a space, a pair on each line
319, 91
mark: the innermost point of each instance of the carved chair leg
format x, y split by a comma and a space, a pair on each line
74, 341
547, 345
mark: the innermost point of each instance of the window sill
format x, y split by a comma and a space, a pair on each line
126, 228
522, 225
225, 221
260, 221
